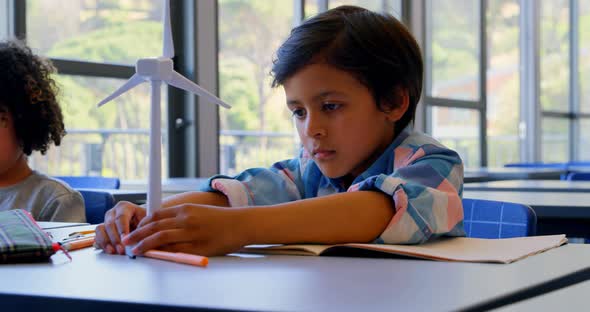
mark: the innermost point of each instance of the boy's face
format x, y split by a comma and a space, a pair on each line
10, 150
337, 120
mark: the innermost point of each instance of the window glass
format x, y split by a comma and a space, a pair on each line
458, 129
112, 140
584, 58
93, 30
554, 55
584, 144
4, 19
394, 7
258, 130
373, 5
311, 8
555, 139
452, 57
503, 82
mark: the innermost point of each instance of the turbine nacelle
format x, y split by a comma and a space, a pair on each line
155, 68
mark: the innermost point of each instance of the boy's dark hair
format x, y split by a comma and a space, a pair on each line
375, 48
28, 94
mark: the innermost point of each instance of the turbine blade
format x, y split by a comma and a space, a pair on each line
183, 83
130, 84
168, 48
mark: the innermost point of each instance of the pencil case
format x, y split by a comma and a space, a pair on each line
22, 240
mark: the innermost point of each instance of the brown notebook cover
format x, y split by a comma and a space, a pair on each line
463, 249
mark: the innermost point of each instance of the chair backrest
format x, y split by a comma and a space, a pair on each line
91, 182
579, 163
578, 176
496, 219
537, 165
96, 203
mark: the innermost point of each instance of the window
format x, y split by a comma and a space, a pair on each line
85, 39
313, 7
555, 144
454, 49
4, 20
535, 58
393, 7
502, 82
583, 85
94, 44
457, 128
110, 141
453, 76
554, 80
97, 31
373, 5
258, 130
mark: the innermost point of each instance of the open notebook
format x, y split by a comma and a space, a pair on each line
462, 249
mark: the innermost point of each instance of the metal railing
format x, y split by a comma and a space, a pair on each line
124, 153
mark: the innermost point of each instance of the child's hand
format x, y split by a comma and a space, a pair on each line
118, 222
190, 228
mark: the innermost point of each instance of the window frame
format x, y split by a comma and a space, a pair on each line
185, 116
479, 105
193, 129
531, 112
5, 27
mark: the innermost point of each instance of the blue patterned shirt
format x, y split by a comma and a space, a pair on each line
424, 179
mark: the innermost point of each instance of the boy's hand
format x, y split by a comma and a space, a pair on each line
190, 228
118, 222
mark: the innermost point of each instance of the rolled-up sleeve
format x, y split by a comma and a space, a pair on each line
260, 186
426, 187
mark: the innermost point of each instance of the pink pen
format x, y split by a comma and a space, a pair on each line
178, 257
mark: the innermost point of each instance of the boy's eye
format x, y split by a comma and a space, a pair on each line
298, 113
330, 106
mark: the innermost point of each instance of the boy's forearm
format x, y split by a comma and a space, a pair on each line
340, 218
204, 198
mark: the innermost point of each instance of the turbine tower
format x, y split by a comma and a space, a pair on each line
157, 70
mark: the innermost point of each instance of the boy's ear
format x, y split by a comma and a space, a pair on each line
3, 120
403, 102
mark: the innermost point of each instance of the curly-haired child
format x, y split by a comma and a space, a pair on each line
31, 120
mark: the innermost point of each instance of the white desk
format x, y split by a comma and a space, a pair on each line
170, 186
530, 186
95, 281
136, 191
571, 298
58, 225
492, 174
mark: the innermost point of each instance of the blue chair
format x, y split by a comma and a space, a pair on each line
537, 165
495, 219
91, 182
578, 176
579, 163
97, 203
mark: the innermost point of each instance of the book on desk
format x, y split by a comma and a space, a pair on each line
464, 249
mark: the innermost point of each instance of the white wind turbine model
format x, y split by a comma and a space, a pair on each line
157, 70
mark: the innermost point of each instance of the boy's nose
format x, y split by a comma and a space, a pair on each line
314, 127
